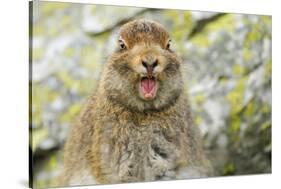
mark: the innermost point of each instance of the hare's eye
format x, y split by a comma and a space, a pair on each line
168, 44
122, 45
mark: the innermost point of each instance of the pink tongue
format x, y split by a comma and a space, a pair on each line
147, 85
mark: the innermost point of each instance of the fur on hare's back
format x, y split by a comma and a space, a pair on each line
139, 126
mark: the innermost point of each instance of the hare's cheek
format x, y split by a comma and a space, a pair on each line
171, 69
122, 68
162, 77
132, 77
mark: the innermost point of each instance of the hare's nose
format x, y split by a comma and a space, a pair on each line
150, 64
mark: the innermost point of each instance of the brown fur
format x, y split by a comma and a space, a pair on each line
120, 137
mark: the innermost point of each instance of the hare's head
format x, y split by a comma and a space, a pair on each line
143, 73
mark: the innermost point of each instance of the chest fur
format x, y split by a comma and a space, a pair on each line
139, 151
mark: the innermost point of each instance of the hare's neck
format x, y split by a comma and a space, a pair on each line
111, 107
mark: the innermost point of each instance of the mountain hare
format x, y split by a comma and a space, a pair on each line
138, 126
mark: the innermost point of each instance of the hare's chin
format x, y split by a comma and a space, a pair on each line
148, 88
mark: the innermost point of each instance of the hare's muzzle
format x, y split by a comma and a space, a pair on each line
148, 88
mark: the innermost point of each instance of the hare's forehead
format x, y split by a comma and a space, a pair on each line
130, 39
131, 33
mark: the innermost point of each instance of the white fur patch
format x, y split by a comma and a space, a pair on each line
83, 177
190, 173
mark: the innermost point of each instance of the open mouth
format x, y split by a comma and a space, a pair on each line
148, 88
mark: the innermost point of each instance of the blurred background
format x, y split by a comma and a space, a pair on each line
227, 67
